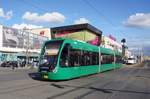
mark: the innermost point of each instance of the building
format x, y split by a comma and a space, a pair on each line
87, 33
127, 53
41, 31
84, 32
19, 44
111, 43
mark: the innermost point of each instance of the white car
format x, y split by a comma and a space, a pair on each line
131, 61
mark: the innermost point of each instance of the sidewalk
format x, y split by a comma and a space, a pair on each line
135, 65
18, 68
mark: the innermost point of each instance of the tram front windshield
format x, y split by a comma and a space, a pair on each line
50, 53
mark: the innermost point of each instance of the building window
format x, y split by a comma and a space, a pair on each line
42, 33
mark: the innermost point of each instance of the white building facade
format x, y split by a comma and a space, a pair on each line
16, 43
107, 42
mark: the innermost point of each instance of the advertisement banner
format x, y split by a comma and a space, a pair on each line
83, 35
15, 38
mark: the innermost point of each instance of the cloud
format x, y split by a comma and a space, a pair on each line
6, 15
23, 25
54, 17
139, 20
81, 20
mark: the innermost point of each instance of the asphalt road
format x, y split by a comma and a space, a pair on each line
129, 82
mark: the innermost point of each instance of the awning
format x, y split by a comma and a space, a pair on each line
29, 54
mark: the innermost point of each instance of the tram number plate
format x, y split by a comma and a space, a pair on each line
45, 76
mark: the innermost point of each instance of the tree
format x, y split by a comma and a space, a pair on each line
123, 46
123, 41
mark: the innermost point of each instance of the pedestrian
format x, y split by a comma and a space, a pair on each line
13, 67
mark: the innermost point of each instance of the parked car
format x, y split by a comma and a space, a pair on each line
22, 64
124, 61
9, 64
5, 64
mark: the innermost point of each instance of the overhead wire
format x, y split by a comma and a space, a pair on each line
109, 21
103, 16
34, 5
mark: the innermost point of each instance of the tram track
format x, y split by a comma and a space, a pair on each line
108, 84
107, 81
9, 90
131, 77
102, 88
75, 88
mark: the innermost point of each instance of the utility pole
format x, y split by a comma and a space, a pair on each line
114, 59
27, 46
141, 54
99, 69
123, 41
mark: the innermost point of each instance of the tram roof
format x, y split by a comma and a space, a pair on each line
88, 46
85, 26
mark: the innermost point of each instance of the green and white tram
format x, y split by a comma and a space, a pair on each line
63, 59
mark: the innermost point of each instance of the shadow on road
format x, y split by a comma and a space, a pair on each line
93, 89
35, 76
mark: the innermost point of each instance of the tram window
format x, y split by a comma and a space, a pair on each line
83, 59
76, 57
118, 59
87, 58
70, 57
90, 58
107, 59
64, 59
95, 60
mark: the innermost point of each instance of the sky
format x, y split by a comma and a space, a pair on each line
129, 19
